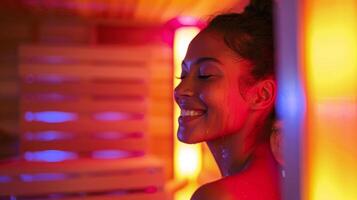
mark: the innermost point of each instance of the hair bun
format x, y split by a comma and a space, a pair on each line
259, 7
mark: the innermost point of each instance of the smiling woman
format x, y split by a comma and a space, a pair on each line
227, 96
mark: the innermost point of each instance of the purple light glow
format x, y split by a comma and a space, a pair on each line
50, 116
49, 79
43, 177
48, 136
114, 116
5, 179
50, 156
110, 154
112, 135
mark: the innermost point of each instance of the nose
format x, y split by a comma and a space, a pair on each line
183, 90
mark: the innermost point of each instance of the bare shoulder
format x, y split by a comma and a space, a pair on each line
240, 187
213, 191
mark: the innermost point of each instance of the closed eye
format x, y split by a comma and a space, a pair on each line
204, 77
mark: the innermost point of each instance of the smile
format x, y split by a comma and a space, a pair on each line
191, 113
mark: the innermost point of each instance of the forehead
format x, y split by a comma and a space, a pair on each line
208, 44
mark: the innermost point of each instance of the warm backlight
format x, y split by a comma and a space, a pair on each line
330, 51
187, 158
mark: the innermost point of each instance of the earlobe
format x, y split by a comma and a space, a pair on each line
276, 142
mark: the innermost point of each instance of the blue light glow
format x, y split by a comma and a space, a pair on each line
110, 154
50, 156
112, 116
54, 79
43, 177
50, 116
52, 96
48, 136
5, 179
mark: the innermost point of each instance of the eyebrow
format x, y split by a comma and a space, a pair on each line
203, 59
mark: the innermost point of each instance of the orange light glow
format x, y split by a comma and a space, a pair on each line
187, 158
330, 53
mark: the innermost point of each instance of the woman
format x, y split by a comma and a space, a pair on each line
227, 95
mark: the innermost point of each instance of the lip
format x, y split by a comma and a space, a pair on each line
186, 119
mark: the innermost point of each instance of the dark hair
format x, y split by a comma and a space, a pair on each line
250, 35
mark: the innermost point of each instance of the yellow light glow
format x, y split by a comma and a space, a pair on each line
330, 53
187, 158
331, 47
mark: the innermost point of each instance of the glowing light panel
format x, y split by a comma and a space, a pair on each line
187, 158
330, 44
50, 116
50, 156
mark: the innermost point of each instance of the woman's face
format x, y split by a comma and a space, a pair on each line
210, 92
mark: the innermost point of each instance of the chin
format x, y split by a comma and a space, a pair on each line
187, 138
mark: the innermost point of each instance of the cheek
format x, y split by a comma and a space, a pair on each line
228, 111
223, 105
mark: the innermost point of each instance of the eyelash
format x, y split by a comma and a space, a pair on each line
204, 77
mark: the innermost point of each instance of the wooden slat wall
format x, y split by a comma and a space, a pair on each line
139, 178
135, 77
131, 85
48, 70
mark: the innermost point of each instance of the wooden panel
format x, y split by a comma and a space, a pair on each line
85, 183
107, 54
83, 71
87, 126
161, 107
87, 144
27, 178
161, 90
132, 106
8, 108
86, 82
86, 88
79, 166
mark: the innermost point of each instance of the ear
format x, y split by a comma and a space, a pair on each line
276, 142
262, 94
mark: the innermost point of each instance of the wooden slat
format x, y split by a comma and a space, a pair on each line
163, 90
87, 144
83, 71
79, 166
8, 70
87, 126
8, 88
8, 108
85, 88
119, 53
160, 125
137, 179
161, 72
132, 106
161, 107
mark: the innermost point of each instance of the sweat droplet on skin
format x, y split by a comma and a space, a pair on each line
225, 153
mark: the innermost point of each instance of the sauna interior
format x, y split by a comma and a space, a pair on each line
87, 110
86, 98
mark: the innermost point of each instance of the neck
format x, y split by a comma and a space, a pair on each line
237, 152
